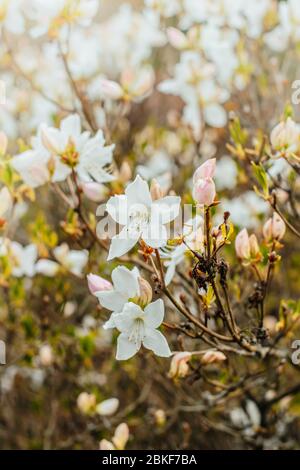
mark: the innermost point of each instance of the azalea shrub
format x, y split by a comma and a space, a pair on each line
149, 224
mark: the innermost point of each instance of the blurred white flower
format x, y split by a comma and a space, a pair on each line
107, 407
73, 148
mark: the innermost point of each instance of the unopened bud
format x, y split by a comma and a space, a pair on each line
160, 417
205, 171
107, 407
177, 38
274, 228
285, 136
110, 89
3, 143
254, 247
121, 436
97, 283
213, 356
204, 191
242, 244
94, 191
125, 173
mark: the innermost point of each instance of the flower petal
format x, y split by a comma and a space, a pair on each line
125, 348
156, 342
154, 314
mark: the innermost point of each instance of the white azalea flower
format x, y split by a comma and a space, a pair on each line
125, 287
88, 155
24, 259
51, 15
139, 327
141, 217
73, 260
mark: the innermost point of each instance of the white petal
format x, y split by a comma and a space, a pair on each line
155, 235
170, 273
156, 342
121, 244
125, 348
116, 206
47, 267
125, 281
154, 314
111, 300
166, 209
138, 192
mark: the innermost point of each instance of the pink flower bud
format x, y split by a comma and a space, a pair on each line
274, 228
97, 283
179, 365
204, 191
110, 89
93, 191
242, 244
176, 38
205, 171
